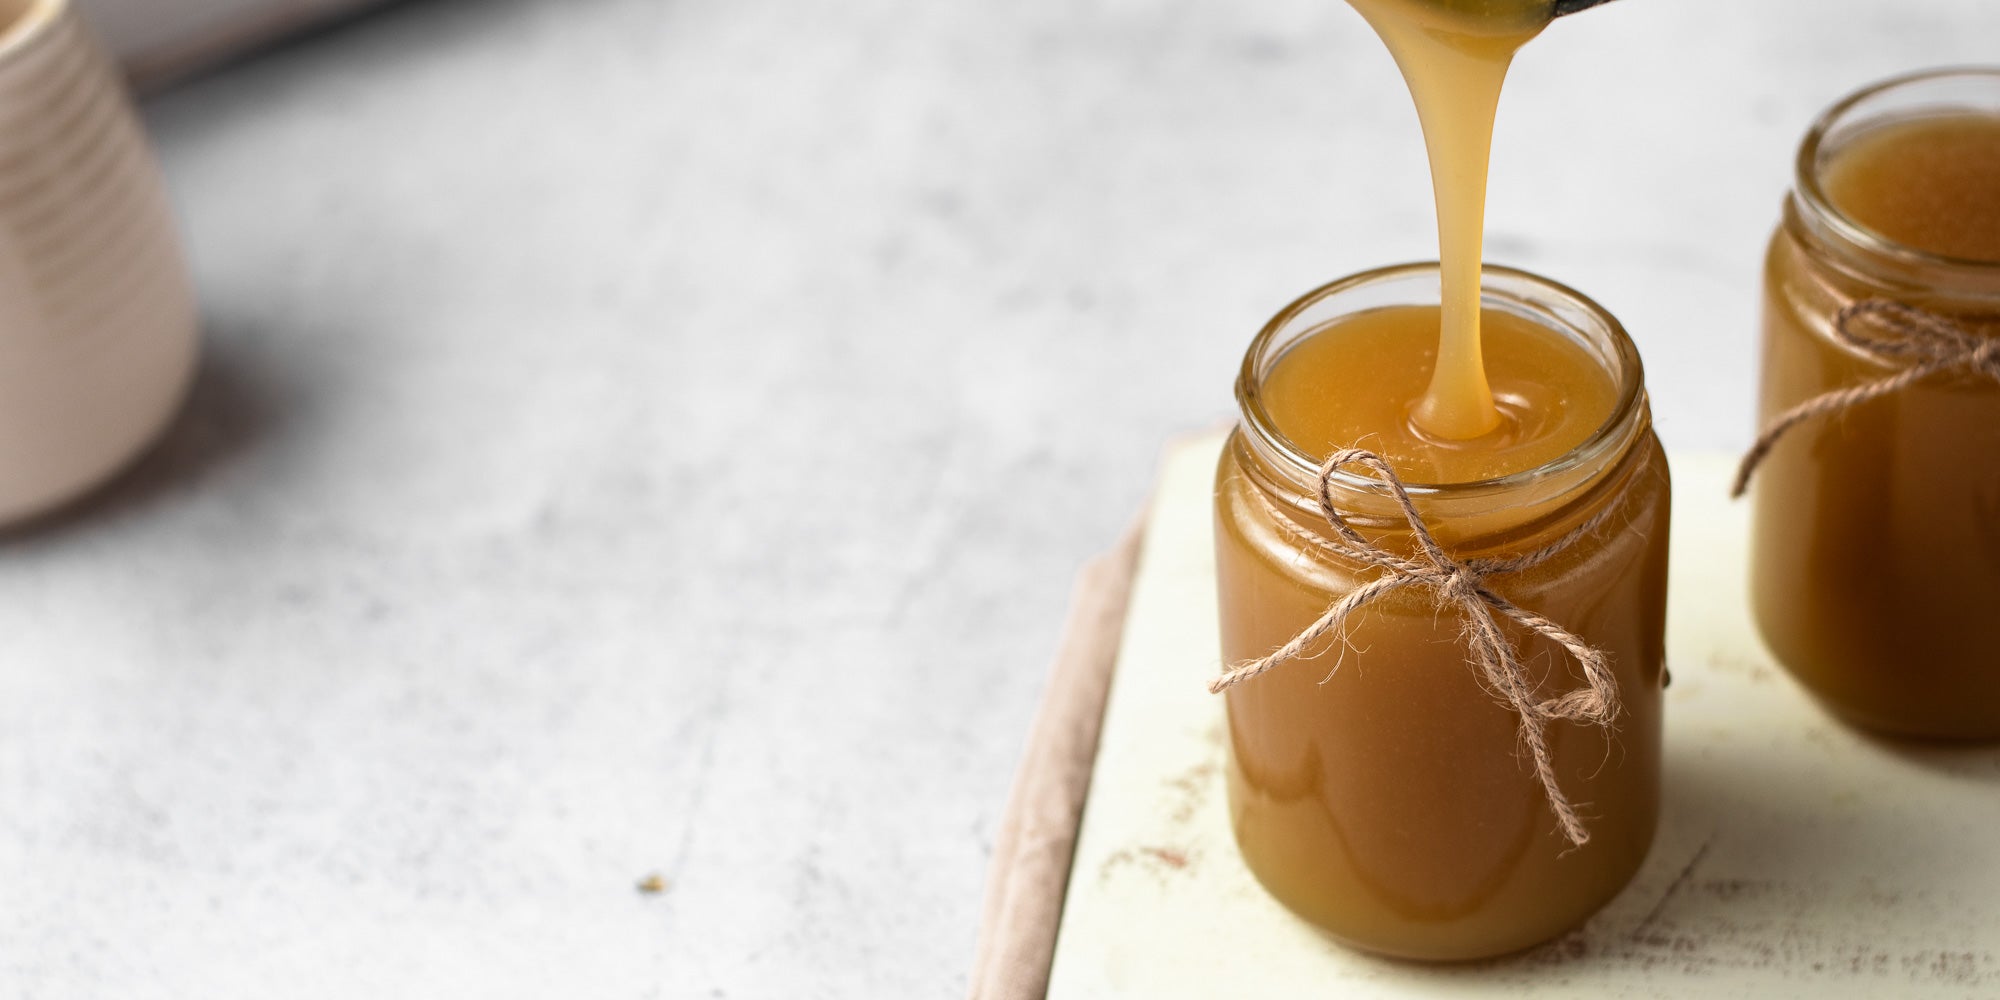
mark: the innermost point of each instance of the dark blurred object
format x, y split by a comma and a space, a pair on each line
163, 40
1572, 6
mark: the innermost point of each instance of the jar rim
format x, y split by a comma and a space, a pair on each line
1601, 448
1837, 223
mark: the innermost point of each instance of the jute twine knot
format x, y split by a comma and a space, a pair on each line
1462, 585
1899, 334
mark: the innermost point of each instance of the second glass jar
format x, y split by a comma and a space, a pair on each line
1875, 553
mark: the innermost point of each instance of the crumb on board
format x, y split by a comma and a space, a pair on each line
653, 884
1160, 861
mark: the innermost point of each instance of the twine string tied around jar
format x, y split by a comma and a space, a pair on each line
1898, 334
1462, 585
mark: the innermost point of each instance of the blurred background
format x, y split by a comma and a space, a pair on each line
656, 436
161, 40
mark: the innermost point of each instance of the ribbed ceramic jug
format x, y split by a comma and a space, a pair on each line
97, 320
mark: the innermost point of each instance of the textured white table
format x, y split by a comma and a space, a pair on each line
643, 436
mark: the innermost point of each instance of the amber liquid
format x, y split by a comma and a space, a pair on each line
1388, 805
1876, 549
1454, 56
1360, 384
1386, 801
1932, 183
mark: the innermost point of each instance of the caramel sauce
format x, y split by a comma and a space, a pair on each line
1454, 56
1932, 183
1354, 385
1875, 554
1385, 801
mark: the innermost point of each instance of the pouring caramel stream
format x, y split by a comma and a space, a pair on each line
1454, 56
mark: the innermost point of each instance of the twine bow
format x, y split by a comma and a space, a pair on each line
1461, 584
1935, 343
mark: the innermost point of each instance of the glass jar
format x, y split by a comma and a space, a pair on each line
1389, 803
1875, 554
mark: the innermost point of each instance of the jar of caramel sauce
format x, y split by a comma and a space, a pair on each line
1875, 556
1377, 787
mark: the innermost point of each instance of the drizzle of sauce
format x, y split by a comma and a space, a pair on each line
1454, 55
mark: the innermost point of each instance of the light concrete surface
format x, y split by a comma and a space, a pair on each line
656, 435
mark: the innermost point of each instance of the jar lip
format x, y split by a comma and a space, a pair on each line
1806, 181
1610, 437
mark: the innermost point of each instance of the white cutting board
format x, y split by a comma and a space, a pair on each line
1795, 857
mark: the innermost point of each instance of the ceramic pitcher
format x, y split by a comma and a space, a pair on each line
97, 319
